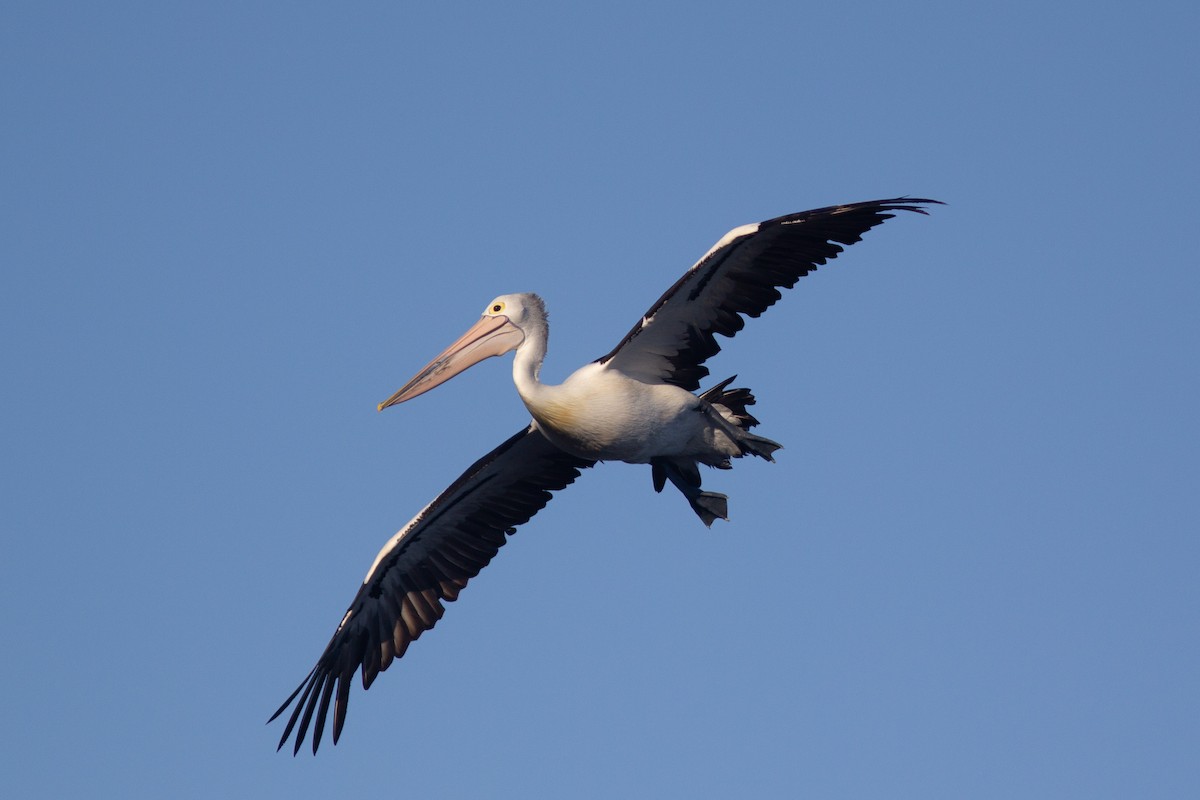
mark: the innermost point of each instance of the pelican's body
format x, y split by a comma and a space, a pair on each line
636, 404
603, 415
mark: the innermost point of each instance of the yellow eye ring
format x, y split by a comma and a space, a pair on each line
497, 308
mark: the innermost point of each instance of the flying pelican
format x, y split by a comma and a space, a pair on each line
635, 404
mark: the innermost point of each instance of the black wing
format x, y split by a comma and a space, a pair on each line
429, 561
741, 274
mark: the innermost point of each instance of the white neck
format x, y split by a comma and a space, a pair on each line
527, 364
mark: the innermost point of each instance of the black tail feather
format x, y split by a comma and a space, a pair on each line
735, 400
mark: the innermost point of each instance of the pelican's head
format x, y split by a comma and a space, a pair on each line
501, 329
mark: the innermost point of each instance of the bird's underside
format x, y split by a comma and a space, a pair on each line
727, 409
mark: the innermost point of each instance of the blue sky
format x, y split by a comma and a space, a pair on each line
231, 229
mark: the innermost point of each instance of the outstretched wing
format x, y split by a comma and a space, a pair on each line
741, 274
429, 561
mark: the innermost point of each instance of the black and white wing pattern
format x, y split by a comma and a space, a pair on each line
741, 274
429, 561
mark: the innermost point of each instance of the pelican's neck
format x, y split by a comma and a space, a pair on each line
547, 404
527, 363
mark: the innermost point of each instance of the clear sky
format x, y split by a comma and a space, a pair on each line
230, 229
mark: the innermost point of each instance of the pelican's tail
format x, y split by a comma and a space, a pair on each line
732, 405
734, 401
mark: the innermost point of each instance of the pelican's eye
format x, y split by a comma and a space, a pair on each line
497, 308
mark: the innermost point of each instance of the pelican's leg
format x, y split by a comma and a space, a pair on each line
758, 446
685, 475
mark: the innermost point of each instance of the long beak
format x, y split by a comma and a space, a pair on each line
491, 336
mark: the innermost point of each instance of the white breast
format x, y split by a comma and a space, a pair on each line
602, 414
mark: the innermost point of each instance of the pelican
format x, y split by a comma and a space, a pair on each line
636, 404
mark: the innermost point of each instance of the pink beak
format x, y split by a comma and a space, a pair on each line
490, 336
